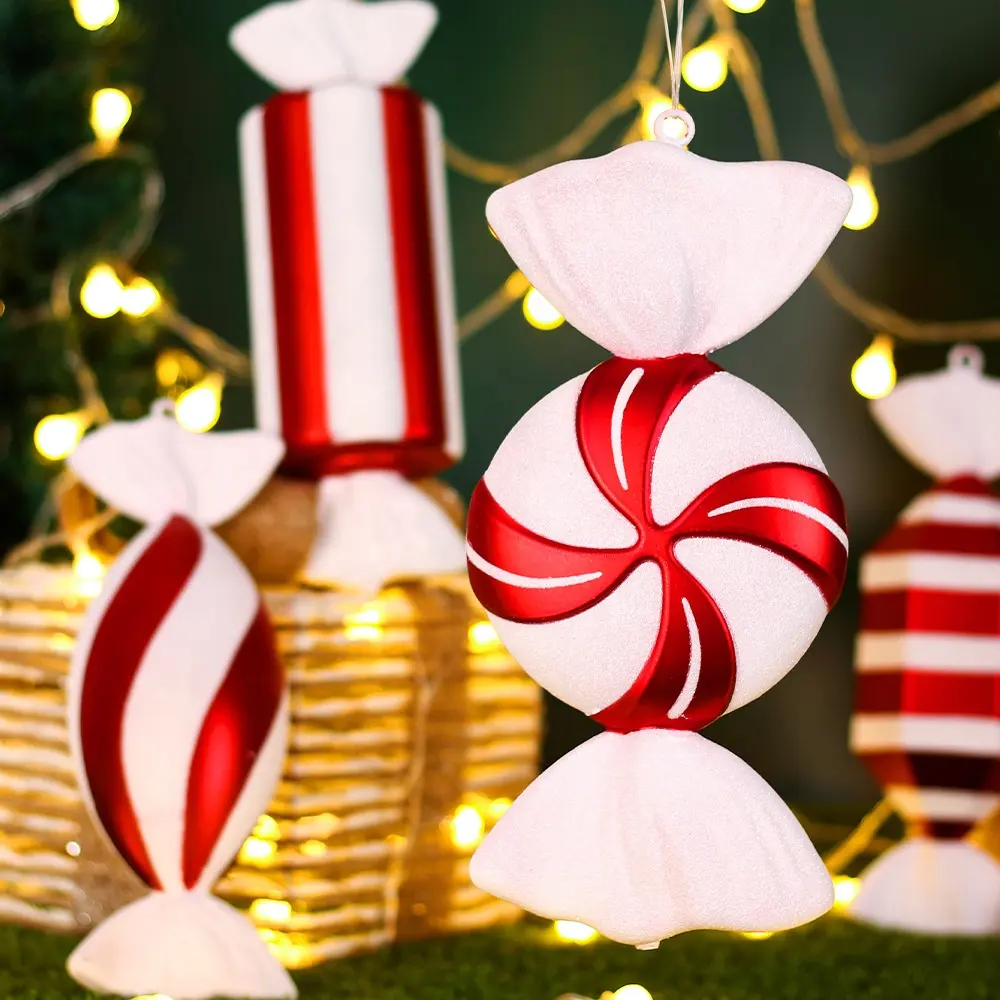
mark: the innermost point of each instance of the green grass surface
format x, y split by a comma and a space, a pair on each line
831, 960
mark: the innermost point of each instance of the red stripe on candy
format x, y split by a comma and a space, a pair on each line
409, 211
950, 539
298, 305
953, 772
232, 735
931, 611
918, 692
128, 625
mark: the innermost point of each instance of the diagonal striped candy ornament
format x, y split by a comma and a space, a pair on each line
927, 712
178, 711
658, 543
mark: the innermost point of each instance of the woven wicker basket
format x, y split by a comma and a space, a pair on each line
412, 730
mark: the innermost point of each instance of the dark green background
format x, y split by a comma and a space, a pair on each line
513, 75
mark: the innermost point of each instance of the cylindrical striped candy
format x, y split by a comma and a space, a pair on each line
927, 711
352, 303
178, 715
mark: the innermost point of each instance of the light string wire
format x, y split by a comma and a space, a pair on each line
746, 69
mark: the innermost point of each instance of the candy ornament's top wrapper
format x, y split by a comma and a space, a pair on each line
945, 422
309, 44
653, 251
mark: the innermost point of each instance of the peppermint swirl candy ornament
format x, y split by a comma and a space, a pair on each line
658, 543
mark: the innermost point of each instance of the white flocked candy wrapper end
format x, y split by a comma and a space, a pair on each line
151, 468
308, 44
652, 251
945, 422
650, 835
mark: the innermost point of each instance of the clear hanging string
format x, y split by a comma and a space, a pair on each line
675, 50
675, 126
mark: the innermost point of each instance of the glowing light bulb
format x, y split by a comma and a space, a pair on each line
58, 434
516, 286
632, 992
140, 297
574, 932
364, 625
874, 373
864, 209
199, 407
498, 807
101, 292
73, 849
94, 14
110, 110
313, 848
271, 911
707, 66
267, 827
153, 996
744, 6
89, 572
256, 851
483, 637
540, 313
654, 104
758, 935
467, 828
845, 891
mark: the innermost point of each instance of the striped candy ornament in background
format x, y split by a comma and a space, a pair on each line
927, 714
177, 711
350, 280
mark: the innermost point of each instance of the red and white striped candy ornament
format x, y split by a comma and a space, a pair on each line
927, 715
658, 543
352, 309
178, 711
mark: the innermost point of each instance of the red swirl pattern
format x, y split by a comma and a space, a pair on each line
790, 510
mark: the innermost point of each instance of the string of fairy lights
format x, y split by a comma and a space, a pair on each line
726, 51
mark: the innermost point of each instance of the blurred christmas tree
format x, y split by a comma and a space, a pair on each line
54, 57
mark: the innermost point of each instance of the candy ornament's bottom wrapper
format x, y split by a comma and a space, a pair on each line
412, 730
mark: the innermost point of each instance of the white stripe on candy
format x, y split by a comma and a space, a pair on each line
960, 734
795, 506
930, 571
941, 653
528, 582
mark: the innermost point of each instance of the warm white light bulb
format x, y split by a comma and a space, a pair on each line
110, 110
58, 434
89, 572
574, 931
540, 313
633, 992
467, 828
758, 935
483, 637
101, 292
140, 297
874, 373
744, 6
707, 66
845, 891
198, 408
864, 209
271, 911
94, 14
652, 107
